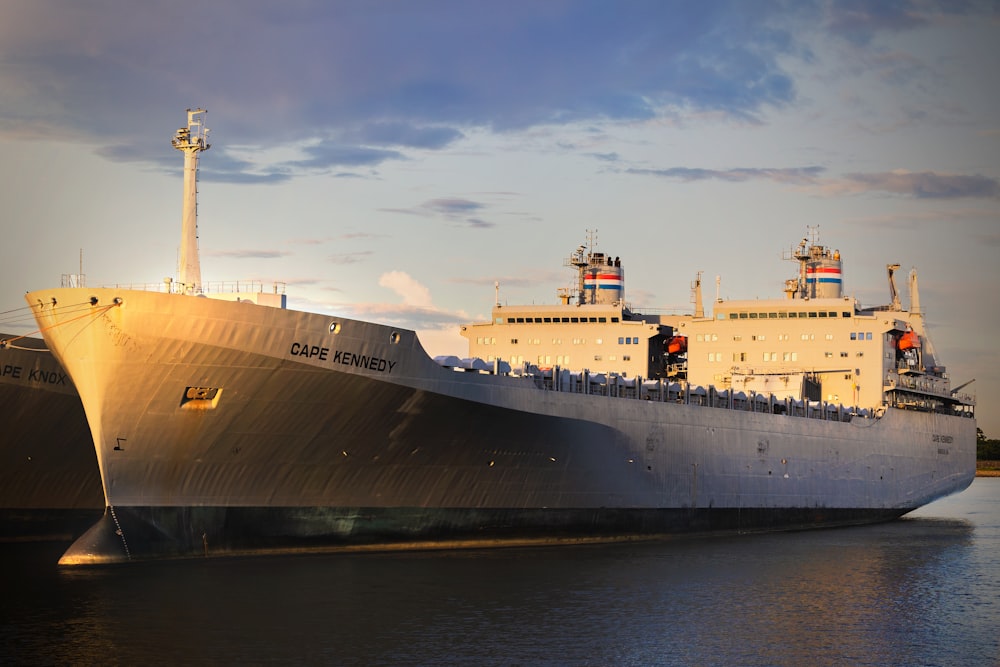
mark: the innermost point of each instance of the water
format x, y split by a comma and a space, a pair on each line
924, 590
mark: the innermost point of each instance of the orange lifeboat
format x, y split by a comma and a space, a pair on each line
677, 345
908, 341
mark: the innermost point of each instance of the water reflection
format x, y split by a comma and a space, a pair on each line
914, 591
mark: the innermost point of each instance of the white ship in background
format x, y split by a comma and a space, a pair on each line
225, 428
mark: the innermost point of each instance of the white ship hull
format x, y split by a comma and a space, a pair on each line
223, 427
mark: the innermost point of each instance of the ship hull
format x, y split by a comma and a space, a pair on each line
232, 428
134, 533
50, 486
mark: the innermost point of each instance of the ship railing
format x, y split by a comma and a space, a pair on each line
661, 390
217, 287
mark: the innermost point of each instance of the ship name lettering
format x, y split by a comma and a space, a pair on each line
47, 377
937, 437
372, 363
303, 350
13, 371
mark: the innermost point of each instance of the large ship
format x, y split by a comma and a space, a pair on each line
232, 427
50, 487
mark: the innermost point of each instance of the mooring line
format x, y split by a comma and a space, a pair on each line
104, 309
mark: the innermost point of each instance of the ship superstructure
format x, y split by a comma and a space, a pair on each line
225, 428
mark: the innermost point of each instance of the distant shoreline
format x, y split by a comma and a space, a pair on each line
987, 468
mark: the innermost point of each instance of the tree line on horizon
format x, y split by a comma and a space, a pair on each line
986, 449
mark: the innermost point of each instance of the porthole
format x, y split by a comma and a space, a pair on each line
335, 327
394, 337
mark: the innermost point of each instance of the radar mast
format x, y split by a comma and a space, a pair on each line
192, 140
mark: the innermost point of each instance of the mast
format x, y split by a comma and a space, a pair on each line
192, 140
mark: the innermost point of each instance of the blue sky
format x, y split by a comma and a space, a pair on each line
392, 160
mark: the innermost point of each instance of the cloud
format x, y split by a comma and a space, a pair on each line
412, 292
795, 175
404, 315
452, 207
369, 80
455, 209
351, 257
858, 21
330, 154
417, 310
247, 254
411, 136
921, 185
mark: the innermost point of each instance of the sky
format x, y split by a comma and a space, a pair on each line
393, 160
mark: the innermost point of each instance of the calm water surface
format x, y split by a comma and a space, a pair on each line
924, 590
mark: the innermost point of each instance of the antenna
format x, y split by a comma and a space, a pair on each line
191, 140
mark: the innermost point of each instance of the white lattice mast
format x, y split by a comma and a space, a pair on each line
192, 140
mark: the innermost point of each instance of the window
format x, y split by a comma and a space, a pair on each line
621, 340
513, 341
828, 355
635, 340
829, 336
770, 356
626, 357
854, 335
599, 341
868, 335
843, 354
736, 338
597, 357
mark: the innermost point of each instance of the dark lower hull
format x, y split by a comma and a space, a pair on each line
138, 533
45, 525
